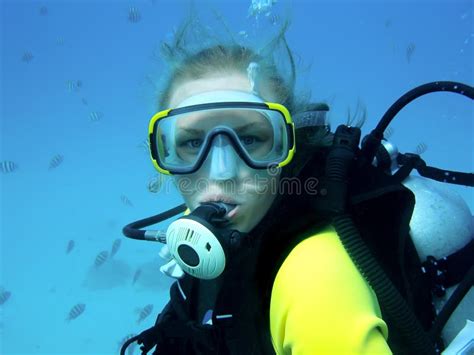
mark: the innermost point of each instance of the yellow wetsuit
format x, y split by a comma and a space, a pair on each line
321, 304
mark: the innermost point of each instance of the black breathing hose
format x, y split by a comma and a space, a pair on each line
372, 141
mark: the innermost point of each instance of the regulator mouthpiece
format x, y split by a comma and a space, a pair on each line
198, 242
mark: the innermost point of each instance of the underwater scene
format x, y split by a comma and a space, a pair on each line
80, 81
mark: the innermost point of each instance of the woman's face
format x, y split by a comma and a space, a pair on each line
224, 176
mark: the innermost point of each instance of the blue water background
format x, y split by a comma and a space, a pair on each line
357, 51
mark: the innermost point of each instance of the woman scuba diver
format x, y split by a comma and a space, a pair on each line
269, 243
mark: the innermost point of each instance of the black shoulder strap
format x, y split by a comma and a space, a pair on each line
238, 313
382, 209
175, 332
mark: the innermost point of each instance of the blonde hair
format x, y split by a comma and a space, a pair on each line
229, 59
194, 53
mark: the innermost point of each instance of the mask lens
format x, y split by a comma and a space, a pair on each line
182, 140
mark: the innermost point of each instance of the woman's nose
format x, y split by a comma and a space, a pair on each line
222, 161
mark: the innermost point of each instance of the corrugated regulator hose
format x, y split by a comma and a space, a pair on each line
394, 306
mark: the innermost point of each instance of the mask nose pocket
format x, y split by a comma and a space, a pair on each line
222, 159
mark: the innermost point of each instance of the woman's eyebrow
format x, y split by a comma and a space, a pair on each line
190, 130
250, 125
244, 127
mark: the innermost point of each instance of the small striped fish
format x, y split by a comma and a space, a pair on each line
76, 311
421, 148
389, 132
70, 246
115, 247
56, 161
126, 201
96, 116
60, 41
145, 312
7, 166
27, 57
134, 15
4, 296
73, 85
101, 258
409, 51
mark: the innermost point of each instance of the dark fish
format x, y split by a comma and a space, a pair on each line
7, 166
136, 276
115, 247
43, 10
101, 258
27, 57
76, 311
4, 296
70, 246
79, 84
84, 102
388, 23
421, 148
56, 161
134, 15
125, 200
409, 51
96, 116
145, 312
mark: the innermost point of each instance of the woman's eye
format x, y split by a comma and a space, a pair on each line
248, 140
193, 143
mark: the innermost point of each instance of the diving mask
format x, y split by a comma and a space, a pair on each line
261, 133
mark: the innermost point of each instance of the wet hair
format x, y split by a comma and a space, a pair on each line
194, 52
222, 59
